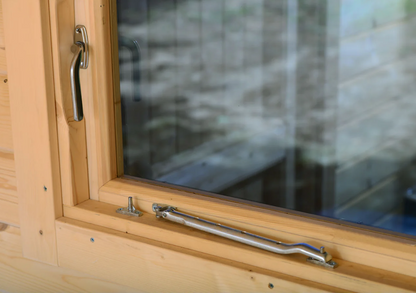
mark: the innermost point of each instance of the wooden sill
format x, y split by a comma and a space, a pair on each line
151, 266
353, 244
348, 276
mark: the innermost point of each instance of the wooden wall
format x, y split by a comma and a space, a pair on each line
8, 193
19, 274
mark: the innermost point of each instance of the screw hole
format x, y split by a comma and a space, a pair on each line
44, 188
40, 232
5, 81
271, 286
92, 240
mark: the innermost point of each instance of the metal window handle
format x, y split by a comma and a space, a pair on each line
316, 256
80, 60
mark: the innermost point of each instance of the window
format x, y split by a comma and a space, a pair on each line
305, 149
305, 105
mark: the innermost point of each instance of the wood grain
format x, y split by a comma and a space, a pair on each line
71, 134
151, 266
3, 64
19, 274
2, 45
6, 143
8, 190
346, 276
97, 89
346, 242
9, 213
32, 104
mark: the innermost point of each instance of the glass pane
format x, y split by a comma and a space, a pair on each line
303, 104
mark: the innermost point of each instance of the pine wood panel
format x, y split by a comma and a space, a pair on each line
19, 274
346, 276
6, 143
3, 66
151, 266
2, 45
353, 244
97, 89
9, 213
72, 140
8, 190
32, 105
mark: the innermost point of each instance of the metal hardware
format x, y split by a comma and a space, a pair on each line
82, 37
80, 60
316, 256
130, 210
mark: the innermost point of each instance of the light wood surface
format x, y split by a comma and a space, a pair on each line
116, 86
346, 276
9, 213
152, 266
8, 189
97, 90
71, 134
3, 64
1, 28
19, 274
32, 105
8, 192
6, 143
352, 244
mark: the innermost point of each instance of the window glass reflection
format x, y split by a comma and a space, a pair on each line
302, 104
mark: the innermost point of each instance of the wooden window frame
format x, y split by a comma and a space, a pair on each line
78, 167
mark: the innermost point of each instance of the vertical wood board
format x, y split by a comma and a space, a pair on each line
32, 104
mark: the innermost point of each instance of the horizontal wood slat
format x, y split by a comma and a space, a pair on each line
8, 190
9, 213
353, 244
295, 265
19, 274
152, 266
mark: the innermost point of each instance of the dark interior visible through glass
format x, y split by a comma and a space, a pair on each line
303, 104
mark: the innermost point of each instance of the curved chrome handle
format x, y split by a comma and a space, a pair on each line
316, 256
80, 60
75, 84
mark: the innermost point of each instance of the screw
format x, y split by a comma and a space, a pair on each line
164, 215
40, 232
92, 240
44, 188
5, 81
271, 286
322, 250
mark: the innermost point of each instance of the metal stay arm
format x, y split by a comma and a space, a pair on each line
316, 256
